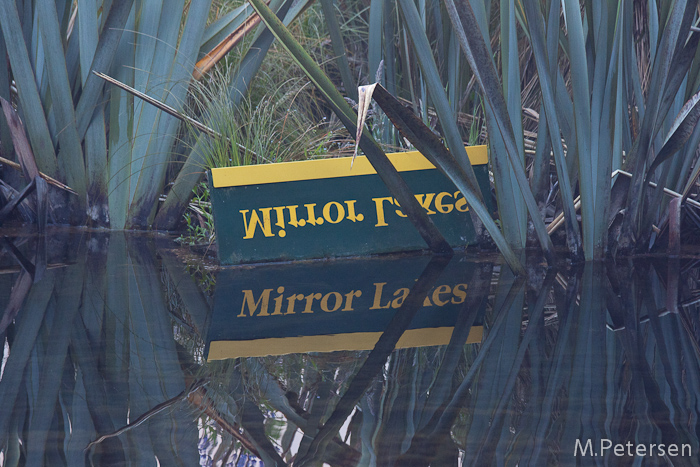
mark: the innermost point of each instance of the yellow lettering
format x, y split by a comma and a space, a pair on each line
278, 301
279, 210
401, 295
425, 201
309, 302
265, 224
351, 211
443, 208
348, 299
376, 304
443, 289
253, 305
340, 212
399, 212
311, 215
460, 202
338, 300
460, 292
293, 216
291, 301
379, 203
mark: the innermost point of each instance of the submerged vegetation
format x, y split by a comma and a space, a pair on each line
588, 106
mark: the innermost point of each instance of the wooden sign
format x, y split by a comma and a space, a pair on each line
330, 305
323, 208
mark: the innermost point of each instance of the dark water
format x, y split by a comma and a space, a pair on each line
116, 353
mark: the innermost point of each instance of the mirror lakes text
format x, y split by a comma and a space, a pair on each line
385, 209
286, 302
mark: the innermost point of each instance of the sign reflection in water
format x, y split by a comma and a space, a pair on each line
104, 340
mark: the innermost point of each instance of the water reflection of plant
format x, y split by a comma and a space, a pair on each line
99, 350
563, 360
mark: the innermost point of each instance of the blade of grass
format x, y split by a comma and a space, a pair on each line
251, 62
431, 76
121, 119
105, 52
70, 157
374, 52
536, 23
88, 34
512, 208
178, 61
29, 100
339, 48
582, 105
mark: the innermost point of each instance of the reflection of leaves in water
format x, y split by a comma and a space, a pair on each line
596, 353
536, 410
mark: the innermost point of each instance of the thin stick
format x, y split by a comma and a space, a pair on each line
51, 181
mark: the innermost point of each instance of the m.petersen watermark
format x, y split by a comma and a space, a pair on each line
605, 447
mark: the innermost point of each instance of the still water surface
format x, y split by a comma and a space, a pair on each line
117, 353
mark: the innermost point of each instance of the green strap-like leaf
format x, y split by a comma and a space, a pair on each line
71, 162
176, 64
104, 53
536, 24
437, 92
5, 136
374, 52
582, 111
32, 109
251, 62
339, 48
88, 34
511, 206
121, 120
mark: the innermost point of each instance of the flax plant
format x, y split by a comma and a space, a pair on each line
607, 100
571, 93
114, 150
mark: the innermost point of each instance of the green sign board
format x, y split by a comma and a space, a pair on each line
324, 208
329, 305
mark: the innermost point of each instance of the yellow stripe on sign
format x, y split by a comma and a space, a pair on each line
219, 350
326, 168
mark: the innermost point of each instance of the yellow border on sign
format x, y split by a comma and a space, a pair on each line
326, 168
220, 350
